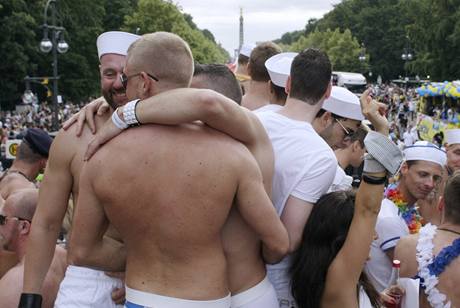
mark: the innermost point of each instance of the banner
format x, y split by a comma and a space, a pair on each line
12, 148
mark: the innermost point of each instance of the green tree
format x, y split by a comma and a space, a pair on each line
157, 15
342, 48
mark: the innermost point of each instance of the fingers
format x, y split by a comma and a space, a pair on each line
93, 146
69, 122
104, 108
118, 296
80, 121
89, 115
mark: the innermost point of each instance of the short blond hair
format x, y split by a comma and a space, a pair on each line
164, 55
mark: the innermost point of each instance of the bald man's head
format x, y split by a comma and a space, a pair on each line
22, 203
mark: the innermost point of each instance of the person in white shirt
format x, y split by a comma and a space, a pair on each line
420, 174
453, 149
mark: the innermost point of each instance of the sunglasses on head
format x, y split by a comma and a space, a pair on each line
4, 218
124, 78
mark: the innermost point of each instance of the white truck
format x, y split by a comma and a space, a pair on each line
355, 82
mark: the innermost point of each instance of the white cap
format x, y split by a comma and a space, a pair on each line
246, 49
115, 42
279, 67
424, 150
344, 103
453, 136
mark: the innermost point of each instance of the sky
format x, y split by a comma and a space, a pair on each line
264, 20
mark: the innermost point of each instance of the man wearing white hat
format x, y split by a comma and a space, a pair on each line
81, 287
278, 68
420, 173
258, 92
453, 149
242, 68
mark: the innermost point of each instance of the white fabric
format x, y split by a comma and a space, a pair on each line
261, 295
279, 67
341, 181
116, 42
411, 294
344, 103
269, 107
453, 136
424, 150
390, 228
408, 138
154, 300
246, 49
364, 301
305, 167
424, 258
85, 287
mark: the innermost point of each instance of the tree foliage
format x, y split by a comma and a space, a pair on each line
84, 20
429, 28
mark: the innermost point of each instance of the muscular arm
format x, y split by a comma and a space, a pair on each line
88, 245
259, 213
349, 262
52, 205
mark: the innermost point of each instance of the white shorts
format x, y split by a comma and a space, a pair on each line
282, 283
139, 299
85, 287
262, 294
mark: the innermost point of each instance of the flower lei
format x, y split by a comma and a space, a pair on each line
409, 213
430, 267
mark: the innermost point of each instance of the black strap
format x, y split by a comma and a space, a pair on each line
29, 300
374, 180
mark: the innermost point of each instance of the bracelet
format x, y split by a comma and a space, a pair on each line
129, 113
373, 180
29, 300
117, 121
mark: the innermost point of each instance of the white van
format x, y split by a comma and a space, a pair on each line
355, 82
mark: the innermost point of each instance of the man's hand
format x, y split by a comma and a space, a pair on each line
118, 294
107, 132
87, 114
374, 112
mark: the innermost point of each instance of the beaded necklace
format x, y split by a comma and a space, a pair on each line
409, 213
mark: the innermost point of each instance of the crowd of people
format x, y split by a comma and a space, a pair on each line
189, 185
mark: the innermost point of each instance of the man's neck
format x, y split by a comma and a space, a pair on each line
296, 109
29, 170
410, 199
342, 156
257, 95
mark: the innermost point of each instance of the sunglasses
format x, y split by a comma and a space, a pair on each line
348, 132
124, 78
4, 218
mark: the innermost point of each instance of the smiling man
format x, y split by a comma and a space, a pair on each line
61, 181
399, 216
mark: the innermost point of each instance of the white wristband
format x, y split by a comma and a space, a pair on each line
129, 113
117, 121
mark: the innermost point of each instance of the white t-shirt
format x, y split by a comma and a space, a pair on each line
342, 181
269, 107
390, 228
304, 168
408, 139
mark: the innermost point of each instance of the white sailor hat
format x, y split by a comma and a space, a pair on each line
453, 136
246, 49
279, 67
344, 103
115, 42
424, 150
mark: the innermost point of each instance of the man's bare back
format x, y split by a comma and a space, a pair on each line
175, 188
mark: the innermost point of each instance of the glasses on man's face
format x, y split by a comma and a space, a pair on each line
4, 218
348, 132
124, 78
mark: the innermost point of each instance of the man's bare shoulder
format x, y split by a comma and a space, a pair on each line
405, 251
11, 286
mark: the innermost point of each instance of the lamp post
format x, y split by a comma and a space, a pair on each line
57, 44
406, 57
362, 57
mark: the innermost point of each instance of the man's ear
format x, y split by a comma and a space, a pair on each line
24, 227
288, 85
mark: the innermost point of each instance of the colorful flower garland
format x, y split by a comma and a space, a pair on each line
409, 213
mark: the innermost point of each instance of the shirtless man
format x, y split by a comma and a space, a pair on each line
246, 268
430, 241
195, 271
15, 226
31, 158
61, 180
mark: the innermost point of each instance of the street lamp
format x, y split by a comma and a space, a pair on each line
56, 44
362, 57
407, 56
